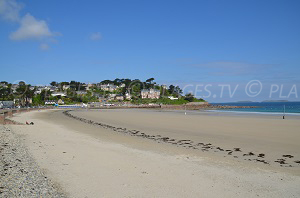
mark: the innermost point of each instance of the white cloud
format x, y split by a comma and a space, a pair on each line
9, 10
44, 46
96, 36
31, 28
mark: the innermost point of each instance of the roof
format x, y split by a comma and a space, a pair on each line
150, 90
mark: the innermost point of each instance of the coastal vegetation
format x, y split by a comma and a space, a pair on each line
166, 101
117, 90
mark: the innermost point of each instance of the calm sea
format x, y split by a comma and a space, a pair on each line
268, 107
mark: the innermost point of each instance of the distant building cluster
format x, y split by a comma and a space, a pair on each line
60, 93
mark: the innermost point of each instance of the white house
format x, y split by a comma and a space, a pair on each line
109, 87
81, 92
65, 87
119, 97
128, 96
150, 93
58, 94
172, 98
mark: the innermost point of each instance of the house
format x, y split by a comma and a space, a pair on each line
108, 87
3, 85
47, 87
65, 87
81, 93
119, 97
128, 96
89, 86
39, 89
150, 93
53, 88
112, 96
172, 98
62, 94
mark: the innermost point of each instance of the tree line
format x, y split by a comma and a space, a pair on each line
24, 94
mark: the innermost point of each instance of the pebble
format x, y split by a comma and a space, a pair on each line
20, 175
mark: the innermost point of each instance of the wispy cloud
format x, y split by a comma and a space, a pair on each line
96, 36
9, 10
30, 28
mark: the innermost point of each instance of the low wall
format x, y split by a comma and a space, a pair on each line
2, 119
9, 113
126, 107
187, 107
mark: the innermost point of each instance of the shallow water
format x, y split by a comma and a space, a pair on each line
265, 107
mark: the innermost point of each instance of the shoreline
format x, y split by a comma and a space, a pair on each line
92, 161
255, 112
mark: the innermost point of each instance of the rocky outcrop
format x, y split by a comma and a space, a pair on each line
232, 107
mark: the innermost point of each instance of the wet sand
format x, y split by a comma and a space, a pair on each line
262, 139
113, 160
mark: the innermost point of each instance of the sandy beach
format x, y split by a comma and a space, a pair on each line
148, 153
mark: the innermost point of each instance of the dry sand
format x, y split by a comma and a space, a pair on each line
90, 161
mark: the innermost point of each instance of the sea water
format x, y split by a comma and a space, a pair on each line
264, 107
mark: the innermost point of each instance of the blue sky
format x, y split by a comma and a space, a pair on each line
179, 42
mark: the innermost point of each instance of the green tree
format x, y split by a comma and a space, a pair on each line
150, 80
189, 97
37, 100
106, 82
45, 95
53, 83
117, 82
24, 93
171, 89
149, 83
